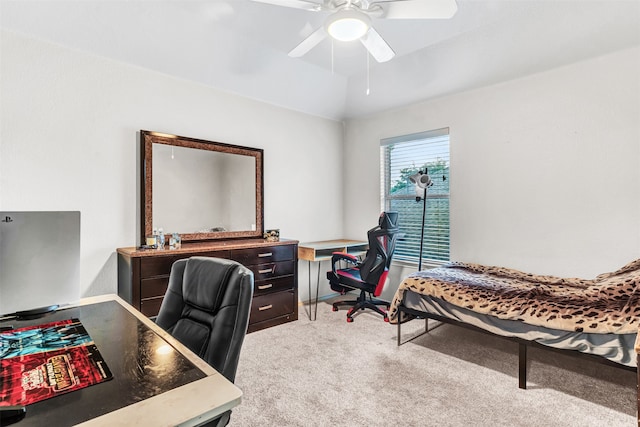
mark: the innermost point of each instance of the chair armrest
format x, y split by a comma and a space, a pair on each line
341, 256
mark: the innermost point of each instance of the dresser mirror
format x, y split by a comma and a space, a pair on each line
203, 190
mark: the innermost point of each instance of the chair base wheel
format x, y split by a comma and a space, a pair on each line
361, 304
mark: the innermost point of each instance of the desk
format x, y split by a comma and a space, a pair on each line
147, 388
321, 251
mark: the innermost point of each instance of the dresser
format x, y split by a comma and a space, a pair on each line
143, 275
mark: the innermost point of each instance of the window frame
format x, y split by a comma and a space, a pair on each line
386, 198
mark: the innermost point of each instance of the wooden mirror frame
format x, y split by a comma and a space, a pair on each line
148, 138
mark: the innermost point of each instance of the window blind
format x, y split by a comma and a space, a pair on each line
401, 157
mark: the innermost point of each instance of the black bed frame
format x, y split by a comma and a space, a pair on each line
522, 345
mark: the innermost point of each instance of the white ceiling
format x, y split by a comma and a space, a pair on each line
241, 46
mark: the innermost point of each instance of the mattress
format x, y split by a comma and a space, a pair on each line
618, 348
610, 303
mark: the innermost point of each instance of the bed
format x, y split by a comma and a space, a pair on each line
597, 318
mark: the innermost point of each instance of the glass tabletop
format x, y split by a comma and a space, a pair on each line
143, 365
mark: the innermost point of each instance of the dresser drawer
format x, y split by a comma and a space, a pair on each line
270, 306
274, 285
161, 265
156, 287
263, 255
272, 270
157, 266
150, 307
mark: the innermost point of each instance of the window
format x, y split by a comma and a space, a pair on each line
401, 157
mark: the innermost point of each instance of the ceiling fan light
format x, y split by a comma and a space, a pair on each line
348, 24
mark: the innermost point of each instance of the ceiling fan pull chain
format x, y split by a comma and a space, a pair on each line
332, 56
367, 71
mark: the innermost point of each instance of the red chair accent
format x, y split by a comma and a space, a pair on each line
370, 275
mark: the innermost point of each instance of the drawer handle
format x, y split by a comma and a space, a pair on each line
268, 270
265, 307
266, 254
261, 287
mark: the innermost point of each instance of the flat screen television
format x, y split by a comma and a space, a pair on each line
39, 259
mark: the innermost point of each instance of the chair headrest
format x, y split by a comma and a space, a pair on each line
206, 279
388, 220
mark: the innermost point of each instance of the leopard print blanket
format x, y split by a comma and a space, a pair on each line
610, 303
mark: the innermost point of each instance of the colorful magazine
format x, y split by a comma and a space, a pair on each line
48, 360
47, 337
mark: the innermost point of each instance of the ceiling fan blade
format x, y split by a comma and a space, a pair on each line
309, 43
377, 47
418, 9
296, 4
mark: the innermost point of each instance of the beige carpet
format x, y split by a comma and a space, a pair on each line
333, 373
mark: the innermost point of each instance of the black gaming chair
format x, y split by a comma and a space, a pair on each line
206, 308
370, 275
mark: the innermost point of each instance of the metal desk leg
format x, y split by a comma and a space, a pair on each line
309, 271
311, 299
315, 316
315, 309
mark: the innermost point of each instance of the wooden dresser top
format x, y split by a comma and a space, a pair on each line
213, 245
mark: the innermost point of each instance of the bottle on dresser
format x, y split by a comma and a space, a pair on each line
160, 238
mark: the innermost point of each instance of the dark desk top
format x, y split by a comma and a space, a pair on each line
128, 346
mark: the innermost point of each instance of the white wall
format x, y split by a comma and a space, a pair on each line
545, 170
68, 141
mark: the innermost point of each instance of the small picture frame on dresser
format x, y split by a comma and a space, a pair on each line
272, 235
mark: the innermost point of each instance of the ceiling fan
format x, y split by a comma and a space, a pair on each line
351, 20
